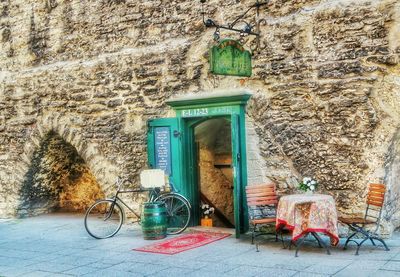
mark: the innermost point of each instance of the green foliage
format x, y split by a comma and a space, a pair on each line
308, 184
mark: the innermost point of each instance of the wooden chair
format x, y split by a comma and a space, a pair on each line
262, 202
373, 213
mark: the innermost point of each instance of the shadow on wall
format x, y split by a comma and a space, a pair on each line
58, 179
392, 177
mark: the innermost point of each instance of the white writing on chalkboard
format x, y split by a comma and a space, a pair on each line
163, 149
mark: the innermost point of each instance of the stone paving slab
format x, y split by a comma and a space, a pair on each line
173, 271
272, 272
245, 271
58, 245
384, 273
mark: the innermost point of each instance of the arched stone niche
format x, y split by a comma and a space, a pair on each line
57, 169
58, 179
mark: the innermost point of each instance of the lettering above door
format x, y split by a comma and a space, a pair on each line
195, 112
210, 111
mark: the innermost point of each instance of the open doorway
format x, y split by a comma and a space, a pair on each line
214, 164
203, 116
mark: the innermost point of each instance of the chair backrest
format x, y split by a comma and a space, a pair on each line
152, 178
375, 199
262, 200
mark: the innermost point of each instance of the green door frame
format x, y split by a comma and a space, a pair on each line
192, 110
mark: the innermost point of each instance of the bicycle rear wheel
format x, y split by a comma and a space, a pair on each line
104, 219
178, 212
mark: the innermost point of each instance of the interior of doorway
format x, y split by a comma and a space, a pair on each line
214, 164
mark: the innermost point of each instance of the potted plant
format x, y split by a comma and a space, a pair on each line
308, 185
206, 212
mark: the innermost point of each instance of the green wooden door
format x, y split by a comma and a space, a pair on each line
237, 178
164, 148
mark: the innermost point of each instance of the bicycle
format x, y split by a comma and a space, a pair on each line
105, 217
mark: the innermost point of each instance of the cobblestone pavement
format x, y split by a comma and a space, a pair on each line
58, 245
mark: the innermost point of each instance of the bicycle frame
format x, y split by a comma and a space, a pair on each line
154, 193
174, 191
166, 196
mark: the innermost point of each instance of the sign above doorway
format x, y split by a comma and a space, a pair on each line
230, 58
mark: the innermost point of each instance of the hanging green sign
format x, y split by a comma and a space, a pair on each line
230, 58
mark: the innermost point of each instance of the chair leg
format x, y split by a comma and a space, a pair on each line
348, 240
372, 240
254, 238
383, 242
359, 245
253, 234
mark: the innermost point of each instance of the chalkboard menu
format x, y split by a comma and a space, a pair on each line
162, 141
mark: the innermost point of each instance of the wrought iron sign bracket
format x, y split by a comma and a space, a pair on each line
248, 29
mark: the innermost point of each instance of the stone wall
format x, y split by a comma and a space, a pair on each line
215, 185
326, 87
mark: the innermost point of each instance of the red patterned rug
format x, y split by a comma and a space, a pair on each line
182, 243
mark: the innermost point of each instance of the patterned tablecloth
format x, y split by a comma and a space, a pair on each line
304, 213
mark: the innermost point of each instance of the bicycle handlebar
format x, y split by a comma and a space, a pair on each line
119, 182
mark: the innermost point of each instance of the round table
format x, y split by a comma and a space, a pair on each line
305, 214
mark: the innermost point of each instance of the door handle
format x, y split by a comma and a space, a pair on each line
176, 133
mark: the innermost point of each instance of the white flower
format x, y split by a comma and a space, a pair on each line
312, 187
313, 182
203, 206
305, 180
206, 212
212, 209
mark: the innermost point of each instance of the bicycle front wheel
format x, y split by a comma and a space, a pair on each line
103, 219
178, 212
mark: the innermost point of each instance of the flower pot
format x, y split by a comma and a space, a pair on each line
206, 222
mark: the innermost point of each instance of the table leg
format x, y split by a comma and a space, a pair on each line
300, 243
316, 238
321, 242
